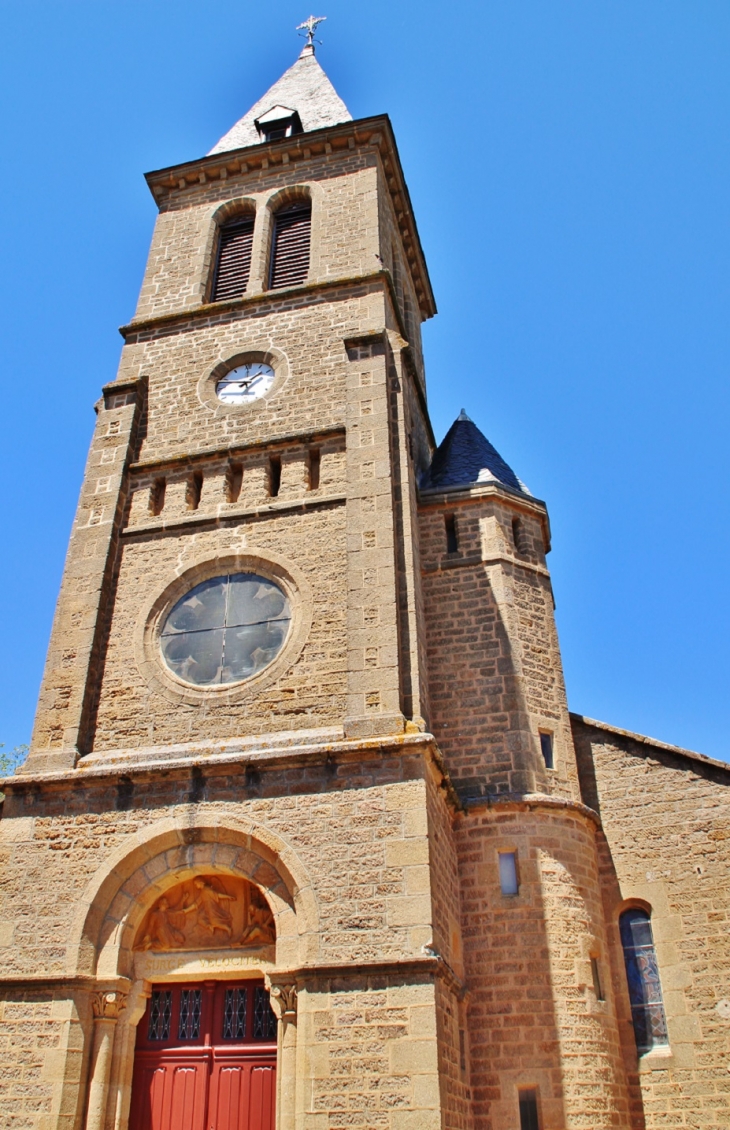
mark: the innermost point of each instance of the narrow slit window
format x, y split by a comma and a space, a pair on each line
157, 497
546, 748
596, 975
194, 490
517, 534
313, 464
452, 541
642, 974
233, 265
274, 475
529, 1114
508, 879
290, 246
234, 481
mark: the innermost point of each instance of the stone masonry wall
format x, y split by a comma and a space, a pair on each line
666, 821
344, 228
494, 660
370, 1053
342, 820
35, 1026
533, 1016
305, 340
134, 712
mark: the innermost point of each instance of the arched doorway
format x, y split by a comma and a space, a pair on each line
138, 932
205, 1051
205, 1058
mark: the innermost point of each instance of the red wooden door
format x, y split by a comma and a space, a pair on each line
170, 1093
242, 1093
205, 1059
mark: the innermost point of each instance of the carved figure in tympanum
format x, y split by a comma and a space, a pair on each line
208, 912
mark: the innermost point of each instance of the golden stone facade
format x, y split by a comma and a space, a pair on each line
336, 823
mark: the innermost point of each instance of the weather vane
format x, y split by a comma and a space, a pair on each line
309, 27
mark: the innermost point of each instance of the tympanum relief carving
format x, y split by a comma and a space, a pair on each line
208, 912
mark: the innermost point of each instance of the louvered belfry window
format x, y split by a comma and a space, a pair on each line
290, 245
234, 258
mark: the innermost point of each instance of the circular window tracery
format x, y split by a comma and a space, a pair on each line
225, 629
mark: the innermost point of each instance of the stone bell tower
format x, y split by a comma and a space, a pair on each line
231, 797
302, 742
183, 471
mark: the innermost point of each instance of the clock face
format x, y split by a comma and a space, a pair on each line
245, 384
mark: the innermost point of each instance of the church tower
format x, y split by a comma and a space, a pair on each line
300, 841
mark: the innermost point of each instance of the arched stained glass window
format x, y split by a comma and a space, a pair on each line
642, 973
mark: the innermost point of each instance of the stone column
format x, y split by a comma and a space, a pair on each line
107, 1007
284, 1004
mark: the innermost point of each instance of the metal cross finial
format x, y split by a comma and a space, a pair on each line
309, 27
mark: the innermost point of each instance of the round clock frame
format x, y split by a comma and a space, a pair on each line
246, 383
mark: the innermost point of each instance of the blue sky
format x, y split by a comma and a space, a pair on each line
568, 164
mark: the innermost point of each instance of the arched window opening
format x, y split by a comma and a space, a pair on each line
290, 245
233, 265
642, 974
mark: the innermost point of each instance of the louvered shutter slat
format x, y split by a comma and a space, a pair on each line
290, 252
234, 259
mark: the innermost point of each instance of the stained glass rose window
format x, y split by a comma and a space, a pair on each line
226, 629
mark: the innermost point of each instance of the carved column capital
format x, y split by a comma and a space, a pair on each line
284, 1001
108, 1005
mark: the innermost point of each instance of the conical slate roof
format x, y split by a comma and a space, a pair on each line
465, 458
304, 88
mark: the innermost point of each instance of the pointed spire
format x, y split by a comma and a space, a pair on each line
304, 92
466, 458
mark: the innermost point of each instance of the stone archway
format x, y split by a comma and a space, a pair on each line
112, 940
133, 877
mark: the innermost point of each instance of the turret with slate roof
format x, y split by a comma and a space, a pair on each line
484, 540
465, 457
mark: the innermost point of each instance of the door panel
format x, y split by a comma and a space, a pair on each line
242, 1093
170, 1093
262, 1093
